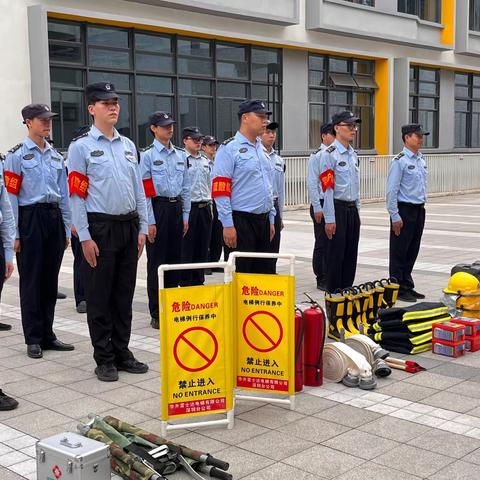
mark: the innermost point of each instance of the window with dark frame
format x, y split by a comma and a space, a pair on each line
341, 83
424, 101
200, 81
368, 3
429, 10
467, 110
474, 16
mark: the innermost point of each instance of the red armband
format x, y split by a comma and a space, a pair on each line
78, 184
221, 187
13, 182
327, 179
149, 187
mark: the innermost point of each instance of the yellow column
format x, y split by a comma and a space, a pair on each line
381, 106
448, 21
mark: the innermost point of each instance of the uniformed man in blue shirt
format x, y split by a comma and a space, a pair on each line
35, 178
209, 148
278, 164
340, 179
406, 197
167, 188
110, 216
315, 194
7, 236
242, 189
196, 242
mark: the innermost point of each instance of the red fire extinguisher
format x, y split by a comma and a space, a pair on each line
299, 348
314, 342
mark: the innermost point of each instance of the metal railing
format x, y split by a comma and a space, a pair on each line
447, 174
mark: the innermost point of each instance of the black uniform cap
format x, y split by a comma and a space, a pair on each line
327, 128
210, 140
345, 117
414, 128
161, 119
100, 91
37, 110
192, 132
256, 106
272, 126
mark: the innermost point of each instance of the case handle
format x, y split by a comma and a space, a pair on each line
65, 442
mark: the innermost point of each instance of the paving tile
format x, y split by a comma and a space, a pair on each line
270, 416
24, 468
361, 444
313, 429
467, 388
83, 406
433, 380
323, 460
21, 442
9, 475
275, 445
445, 443
241, 431
348, 415
394, 429
93, 386
33, 422
370, 470
126, 395
54, 396
12, 458
457, 471
202, 442
282, 471
407, 391
149, 406
449, 400
243, 463
310, 404
456, 370
414, 461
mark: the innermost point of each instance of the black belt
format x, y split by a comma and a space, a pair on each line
200, 204
406, 204
258, 216
105, 217
48, 206
167, 199
343, 203
275, 202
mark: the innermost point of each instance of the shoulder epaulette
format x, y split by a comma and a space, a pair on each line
146, 148
179, 148
316, 151
330, 149
399, 156
78, 137
2, 157
228, 140
15, 148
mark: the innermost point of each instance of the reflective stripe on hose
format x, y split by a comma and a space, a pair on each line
339, 358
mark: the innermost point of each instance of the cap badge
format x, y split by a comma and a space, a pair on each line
263, 105
108, 87
165, 115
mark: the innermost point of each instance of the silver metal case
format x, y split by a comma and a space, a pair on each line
69, 456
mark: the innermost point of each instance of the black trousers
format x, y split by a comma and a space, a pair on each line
275, 243
404, 248
42, 244
253, 235
78, 260
319, 260
2, 269
110, 286
342, 249
196, 243
216, 240
167, 248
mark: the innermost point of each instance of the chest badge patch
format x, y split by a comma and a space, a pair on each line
97, 153
158, 162
243, 150
411, 167
342, 163
29, 156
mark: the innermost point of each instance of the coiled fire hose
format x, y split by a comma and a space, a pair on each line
373, 353
342, 363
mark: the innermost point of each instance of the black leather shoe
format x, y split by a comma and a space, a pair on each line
406, 296
82, 307
132, 365
59, 346
4, 327
321, 286
154, 323
417, 294
61, 296
107, 372
7, 403
34, 351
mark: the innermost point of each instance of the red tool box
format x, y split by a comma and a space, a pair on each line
472, 325
450, 349
448, 331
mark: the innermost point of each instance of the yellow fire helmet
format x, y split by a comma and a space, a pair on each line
462, 281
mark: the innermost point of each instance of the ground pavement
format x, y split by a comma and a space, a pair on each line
425, 425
